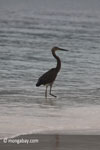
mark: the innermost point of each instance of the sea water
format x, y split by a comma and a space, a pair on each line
28, 31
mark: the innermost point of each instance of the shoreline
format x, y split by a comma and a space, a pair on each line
51, 141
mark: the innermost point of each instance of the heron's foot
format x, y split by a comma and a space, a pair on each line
53, 95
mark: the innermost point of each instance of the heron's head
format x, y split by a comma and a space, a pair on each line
58, 48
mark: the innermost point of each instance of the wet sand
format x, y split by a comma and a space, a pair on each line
52, 142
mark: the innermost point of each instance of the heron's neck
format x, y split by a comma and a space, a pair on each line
58, 62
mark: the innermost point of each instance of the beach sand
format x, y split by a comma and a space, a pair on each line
52, 142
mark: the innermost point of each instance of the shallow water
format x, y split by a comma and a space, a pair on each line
26, 37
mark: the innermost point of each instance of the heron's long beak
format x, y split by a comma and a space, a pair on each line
63, 49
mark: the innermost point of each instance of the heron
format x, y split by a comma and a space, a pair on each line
49, 77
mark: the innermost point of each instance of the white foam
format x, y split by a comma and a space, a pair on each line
77, 120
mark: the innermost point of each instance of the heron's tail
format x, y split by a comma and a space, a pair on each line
38, 83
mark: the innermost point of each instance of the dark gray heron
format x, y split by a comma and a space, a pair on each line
49, 77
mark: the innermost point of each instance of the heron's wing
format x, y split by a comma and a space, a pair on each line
47, 77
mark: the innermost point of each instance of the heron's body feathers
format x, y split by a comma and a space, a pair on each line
47, 78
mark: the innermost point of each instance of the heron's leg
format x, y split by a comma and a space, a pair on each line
50, 91
46, 91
